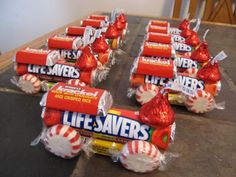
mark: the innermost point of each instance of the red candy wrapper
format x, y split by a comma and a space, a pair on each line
184, 24
158, 29
157, 112
193, 40
86, 61
159, 23
112, 32
154, 66
85, 100
100, 45
37, 56
93, 23
75, 30
65, 42
186, 33
159, 38
201, 54
99, 17
157, 50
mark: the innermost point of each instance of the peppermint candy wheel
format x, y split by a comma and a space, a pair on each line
76, 82
201, 103
140, 156
191, 72
63, 141
29, 84
146, 92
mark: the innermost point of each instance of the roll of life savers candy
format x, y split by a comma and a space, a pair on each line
146, 92
29, 84
75, 30
63, 141
201, 103
140, 156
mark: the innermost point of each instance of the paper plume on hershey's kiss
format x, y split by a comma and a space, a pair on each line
219, 57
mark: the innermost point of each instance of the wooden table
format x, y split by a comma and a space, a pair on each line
206, 143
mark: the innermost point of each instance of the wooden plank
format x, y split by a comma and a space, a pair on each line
6, 58
177, 8
192, 8
208, 9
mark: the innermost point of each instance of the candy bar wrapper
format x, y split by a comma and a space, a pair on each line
78, 99
93, 23
157, 50
65, 42
158, 29
159, 38
98, 17
37, 56
118, 126
154, 66
60, 72
75, 30
159, 23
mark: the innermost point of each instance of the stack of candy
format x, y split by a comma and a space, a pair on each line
80, 117
175, 58
84, 55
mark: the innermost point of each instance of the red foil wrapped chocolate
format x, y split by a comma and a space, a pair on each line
201, 54
193, 40
157, 112
209, 73
186, 33
100, 45
112, 32
87, 61
184, 24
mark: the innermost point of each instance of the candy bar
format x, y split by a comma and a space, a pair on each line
159, 23
85, 100
37, 56
154, 66
157, 50
92, 23
159, 38
65, 42
99, 17
158, 29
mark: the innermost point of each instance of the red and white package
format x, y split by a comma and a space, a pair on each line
145, 93
140, 156
159, 38
92, 23
158, 29
159, 23
85, 100
65, 42
157, 50
159, 67
99, 17
29, 84
76, 82
75, 30
62, 141
37, 56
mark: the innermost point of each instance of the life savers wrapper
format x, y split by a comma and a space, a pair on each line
75, 30
157, 50
37, 56
65, 42
159, 23
85, 100
154, 66
118, 126
92, 23
158, 29
159, 38
99, 17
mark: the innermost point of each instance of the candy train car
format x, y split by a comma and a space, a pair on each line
79, 117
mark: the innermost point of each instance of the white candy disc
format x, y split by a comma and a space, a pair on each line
201, 103
76, 82
191, 72
63, 141
140, 156
146, 92
29, 83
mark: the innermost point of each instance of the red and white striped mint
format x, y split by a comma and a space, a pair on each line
146, 92
29, 84
76, 82
202, 102
140, 156
191, 72
63, 141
